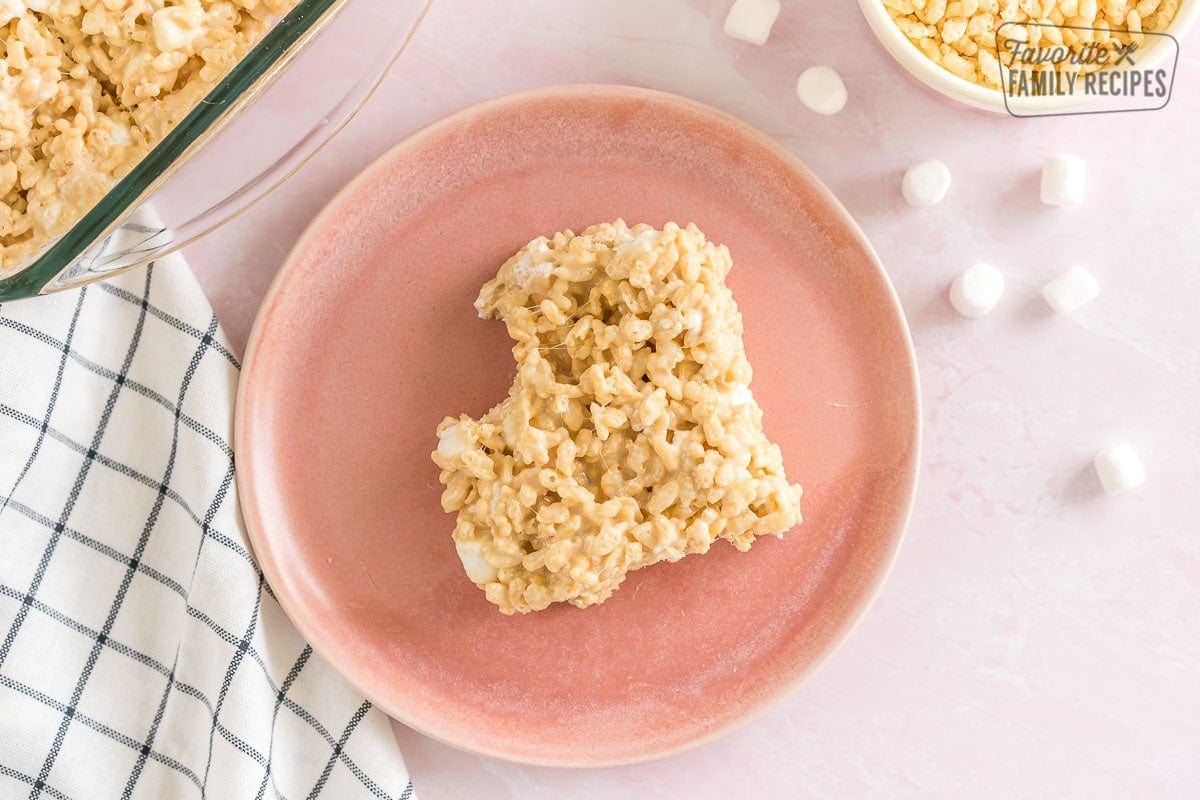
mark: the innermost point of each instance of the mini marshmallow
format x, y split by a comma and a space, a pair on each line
977, 291
639, 245
1064, 179
1120, 469
474, 564
1071, 291
751, 20
121, 135
926, 183
451, 441
175, 27
526, 271
10, 10
741, 395
14, 9
821, 90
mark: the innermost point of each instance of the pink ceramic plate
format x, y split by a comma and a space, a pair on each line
369, 337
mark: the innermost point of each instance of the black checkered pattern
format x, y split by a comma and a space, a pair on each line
142, 654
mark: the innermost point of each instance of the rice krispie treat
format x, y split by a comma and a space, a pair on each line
88, 87
630, 435
960, 35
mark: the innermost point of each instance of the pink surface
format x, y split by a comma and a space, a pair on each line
1035, 638
370, 338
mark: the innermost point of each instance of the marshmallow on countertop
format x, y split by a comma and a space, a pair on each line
821, 90
926, 183
1064, 179
1071, 291
751, 20
1120, 469
977, 291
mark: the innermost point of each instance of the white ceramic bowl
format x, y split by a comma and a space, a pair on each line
973, 95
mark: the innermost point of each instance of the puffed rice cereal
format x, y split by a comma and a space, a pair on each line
88, 87
960, 35
630, 435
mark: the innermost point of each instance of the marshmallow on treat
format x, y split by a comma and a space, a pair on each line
821, 90
926, 183
1064, 179
1071, 291
977, 291
751, 20
1120, 469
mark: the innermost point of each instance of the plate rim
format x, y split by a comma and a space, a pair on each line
248, 497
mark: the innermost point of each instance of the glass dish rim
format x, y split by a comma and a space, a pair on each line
241, 86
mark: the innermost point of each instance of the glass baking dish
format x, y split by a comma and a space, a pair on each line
297, 88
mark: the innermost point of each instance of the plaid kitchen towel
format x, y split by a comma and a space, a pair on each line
142, 655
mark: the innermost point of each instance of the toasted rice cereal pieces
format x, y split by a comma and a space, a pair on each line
960, 35
88, 87
629, 436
